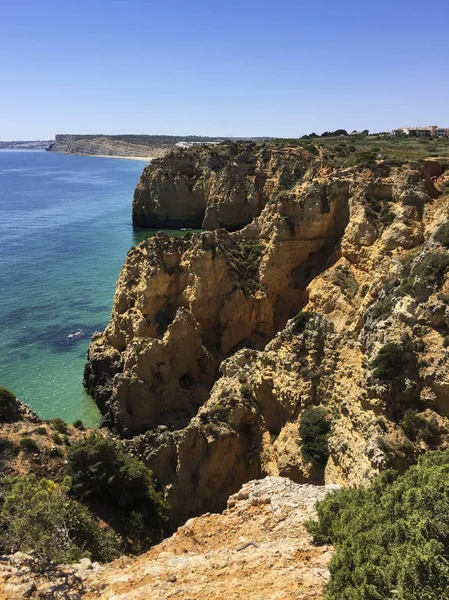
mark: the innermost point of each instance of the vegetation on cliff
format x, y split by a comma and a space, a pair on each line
102, 474
392, 540
68, 493
38, 515
314, 431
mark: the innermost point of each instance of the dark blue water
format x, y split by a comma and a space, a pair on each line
65, 228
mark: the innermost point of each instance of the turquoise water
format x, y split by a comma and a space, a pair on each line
65, 228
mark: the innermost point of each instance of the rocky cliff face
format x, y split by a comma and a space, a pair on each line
221, 186
206, 365
103, 146
258, 548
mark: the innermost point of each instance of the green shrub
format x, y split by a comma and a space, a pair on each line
364, 290
41, 430
386, 217
432, 267
56, 439
9, 405
312, 149
382, 424
314, 431
391, 362
78, 424
8, 448
38, 516
442, 234
301, 320
28, 445
342, 277
417, 426
245, 390
392, 539
59, 425
103, 472
382, 308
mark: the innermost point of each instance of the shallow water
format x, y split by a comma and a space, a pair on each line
65, 229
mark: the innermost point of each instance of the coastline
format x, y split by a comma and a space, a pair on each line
142, 158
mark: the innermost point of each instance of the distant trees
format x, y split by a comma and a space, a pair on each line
336, 133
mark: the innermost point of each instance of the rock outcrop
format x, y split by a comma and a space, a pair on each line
213, 187
258, 548
354, 251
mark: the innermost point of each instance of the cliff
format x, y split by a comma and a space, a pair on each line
223, 186
335, 295
25, 145
101, 145
258, 548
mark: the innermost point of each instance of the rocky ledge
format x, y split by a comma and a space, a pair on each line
257, 548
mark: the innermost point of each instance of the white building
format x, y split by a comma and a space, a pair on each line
429, 131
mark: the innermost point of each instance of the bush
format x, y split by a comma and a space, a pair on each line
56, 439
59, 425
301, 320
9, 405
314, 431
245, 390
102, 472
38, 516
8, 448
442, 234
417, 427
391, 362
28, 445
432, 267
392, 540
342, 277
78, 424
41, 430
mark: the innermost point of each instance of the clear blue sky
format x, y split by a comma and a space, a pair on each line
235, 67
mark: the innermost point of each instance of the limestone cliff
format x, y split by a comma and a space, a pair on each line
203, 358
220, 186
101, 145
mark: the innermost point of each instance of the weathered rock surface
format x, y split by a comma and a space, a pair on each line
355, 250
220, 186
258, 548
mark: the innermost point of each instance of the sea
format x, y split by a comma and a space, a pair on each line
65, 229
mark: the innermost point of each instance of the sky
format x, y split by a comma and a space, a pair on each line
278, 68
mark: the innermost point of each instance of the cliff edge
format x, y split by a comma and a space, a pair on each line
258, 548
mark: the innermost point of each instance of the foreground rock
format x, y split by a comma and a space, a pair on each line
258, 549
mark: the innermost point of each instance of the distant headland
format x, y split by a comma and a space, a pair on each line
26, 145
126, 146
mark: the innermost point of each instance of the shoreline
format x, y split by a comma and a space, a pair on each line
142, 158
